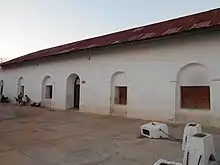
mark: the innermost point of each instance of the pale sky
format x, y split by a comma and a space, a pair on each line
31, 25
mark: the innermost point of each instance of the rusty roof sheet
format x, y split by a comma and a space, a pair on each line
196, 21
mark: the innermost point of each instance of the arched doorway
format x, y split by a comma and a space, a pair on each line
73, 92
47, 92
118, 101
20, 86
193, 92
1, 88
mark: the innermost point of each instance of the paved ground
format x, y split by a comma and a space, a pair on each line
33, 136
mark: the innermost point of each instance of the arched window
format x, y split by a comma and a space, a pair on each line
48, 87
119, 87
194, 83
47, 92
21, 89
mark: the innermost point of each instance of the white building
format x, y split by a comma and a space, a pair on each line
165, 71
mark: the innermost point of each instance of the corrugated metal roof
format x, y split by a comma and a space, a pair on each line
197, 21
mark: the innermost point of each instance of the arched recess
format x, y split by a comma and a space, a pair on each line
47, 92
73, 92
1, 88
118, 99
20, 86
193, 87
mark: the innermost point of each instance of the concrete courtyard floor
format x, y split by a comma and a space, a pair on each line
35, 136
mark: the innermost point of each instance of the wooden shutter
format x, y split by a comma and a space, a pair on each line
195, 97
203, 100
123, 95
188, 97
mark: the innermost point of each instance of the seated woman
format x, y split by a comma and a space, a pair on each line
4, 99
19, 99
25, 100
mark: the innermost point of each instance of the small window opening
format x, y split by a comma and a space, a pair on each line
192, 125
200, 135
187, 158
49, 92
121, 95
146, 132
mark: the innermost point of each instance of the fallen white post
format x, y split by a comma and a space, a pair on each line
154, 130
165, 162
190, 130
200, 150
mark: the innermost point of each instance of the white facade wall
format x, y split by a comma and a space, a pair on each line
151, 70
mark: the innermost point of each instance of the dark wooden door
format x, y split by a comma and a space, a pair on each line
2, 88
76, 93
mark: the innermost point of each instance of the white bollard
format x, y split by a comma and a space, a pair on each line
199, 150
165, 162
154, 130
190, 130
